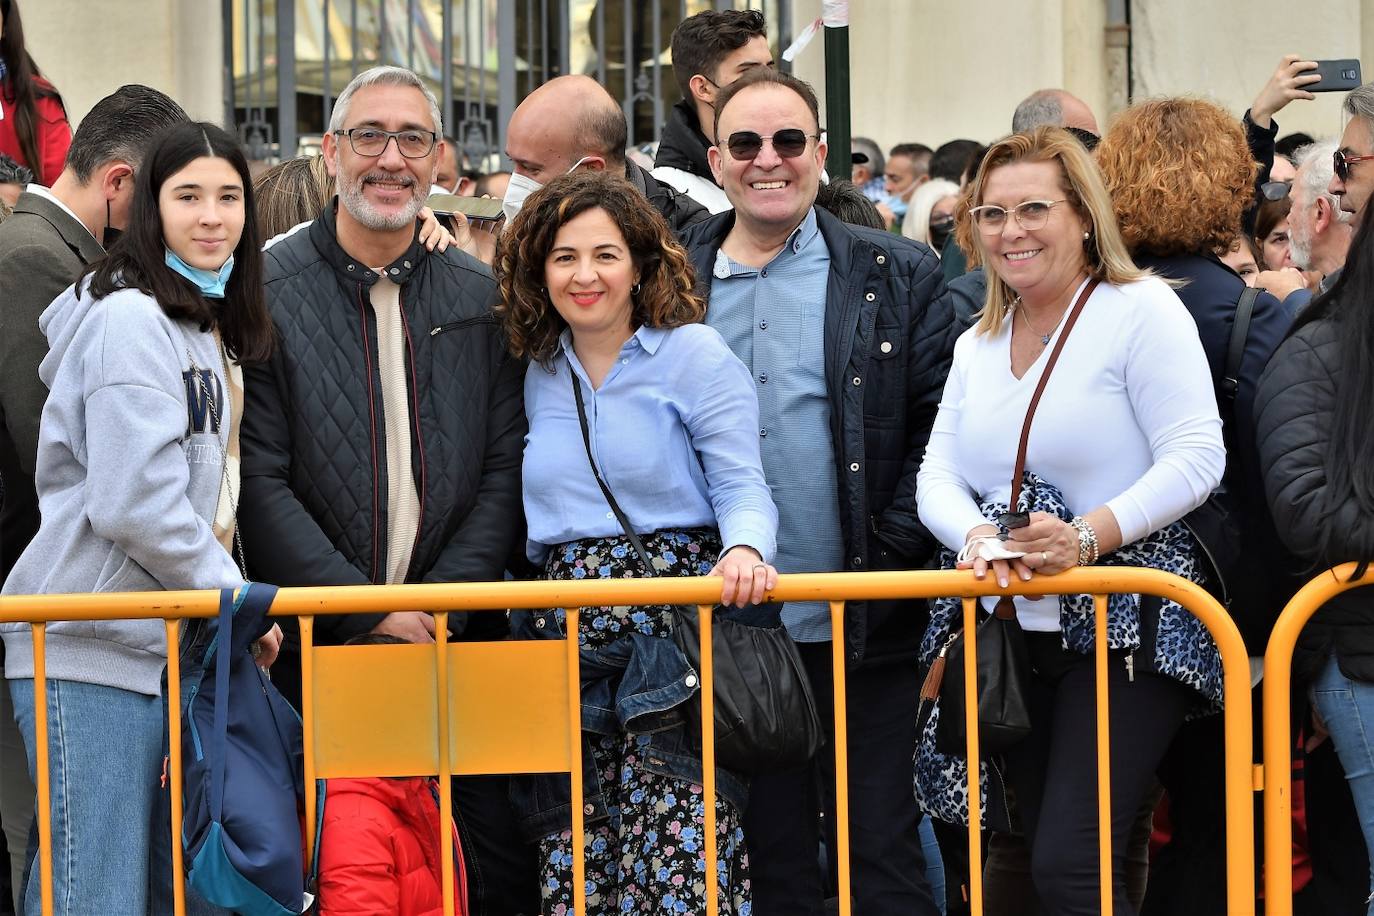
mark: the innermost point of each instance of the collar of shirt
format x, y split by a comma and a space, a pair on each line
805, 233
646, 339
51, 198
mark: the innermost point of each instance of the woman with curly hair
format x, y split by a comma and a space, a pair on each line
1180, 174
598, 294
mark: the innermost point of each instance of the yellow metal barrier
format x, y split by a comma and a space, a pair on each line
1277, 727
422, 699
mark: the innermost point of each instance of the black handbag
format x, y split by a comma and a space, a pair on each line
765, 714
1003, 659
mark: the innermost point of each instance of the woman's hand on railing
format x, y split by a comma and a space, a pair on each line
747, 577
1049, 543
266, 647
1002, 570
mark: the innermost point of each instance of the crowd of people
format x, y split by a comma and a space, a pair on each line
336, 371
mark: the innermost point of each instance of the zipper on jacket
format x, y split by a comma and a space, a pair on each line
422, 486
191, 721
461, 323
372, 416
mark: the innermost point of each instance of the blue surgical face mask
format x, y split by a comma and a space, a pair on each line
211, 283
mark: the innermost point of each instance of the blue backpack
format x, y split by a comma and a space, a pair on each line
242, 765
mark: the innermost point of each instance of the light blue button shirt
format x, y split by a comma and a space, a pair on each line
674, 429
774, 320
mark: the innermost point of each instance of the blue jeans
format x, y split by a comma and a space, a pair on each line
1347, 707
935, 865
105, 749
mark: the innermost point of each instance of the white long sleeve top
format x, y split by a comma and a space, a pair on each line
1128, 420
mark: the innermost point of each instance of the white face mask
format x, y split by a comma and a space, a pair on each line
520, 188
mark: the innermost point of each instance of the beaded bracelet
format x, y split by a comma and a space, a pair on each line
1087, 541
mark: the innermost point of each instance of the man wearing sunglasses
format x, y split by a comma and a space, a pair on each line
849, 338
382, 440
1353, 162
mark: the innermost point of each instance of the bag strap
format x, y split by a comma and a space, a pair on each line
1005, 607
229, 607
1240, 332
605, 490
1040, 389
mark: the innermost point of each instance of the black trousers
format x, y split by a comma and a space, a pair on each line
1053, 770
783, 824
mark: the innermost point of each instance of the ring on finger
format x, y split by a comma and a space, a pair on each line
1044, 558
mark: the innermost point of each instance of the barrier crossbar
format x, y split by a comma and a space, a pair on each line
444, 737
1277, 729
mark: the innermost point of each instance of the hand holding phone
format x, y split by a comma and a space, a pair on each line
1336, 75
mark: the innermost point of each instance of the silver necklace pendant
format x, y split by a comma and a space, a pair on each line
1045, 339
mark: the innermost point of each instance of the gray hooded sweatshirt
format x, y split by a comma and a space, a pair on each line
130, 466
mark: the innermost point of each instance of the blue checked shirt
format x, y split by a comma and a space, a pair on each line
774, 320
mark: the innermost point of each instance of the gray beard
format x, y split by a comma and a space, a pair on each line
1299, 250
351, 196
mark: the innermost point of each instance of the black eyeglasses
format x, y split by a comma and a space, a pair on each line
788, 143
1340, 163
372, 141
1276, 190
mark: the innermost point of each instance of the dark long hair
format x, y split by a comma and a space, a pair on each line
138, 259
1349, 468
24, 85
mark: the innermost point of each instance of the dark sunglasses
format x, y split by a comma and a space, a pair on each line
1340, 163
1276, 190
788, 143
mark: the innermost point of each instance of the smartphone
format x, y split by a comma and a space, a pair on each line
480, 208
1336, 76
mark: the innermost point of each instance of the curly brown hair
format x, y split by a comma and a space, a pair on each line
1180, 174
665, 299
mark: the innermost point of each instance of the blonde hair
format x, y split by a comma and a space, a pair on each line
916, 225
1105, 254
290, 193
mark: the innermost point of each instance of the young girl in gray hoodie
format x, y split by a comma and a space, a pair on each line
137, 480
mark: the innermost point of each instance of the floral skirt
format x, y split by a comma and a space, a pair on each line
648, 856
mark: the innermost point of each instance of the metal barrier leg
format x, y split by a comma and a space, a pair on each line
1104, 759
41, 767
174, 762
312, 798
837, 675
579, 830
445, 762
708, 759
975, 798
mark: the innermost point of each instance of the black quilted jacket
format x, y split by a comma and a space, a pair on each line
889, 342
1293, 413
314, 501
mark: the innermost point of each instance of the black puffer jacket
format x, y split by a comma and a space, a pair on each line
683, 145
889, 341
677, 208
1293, 414
314, 501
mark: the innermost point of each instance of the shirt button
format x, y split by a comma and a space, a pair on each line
589, 809
854, 466
857, 561
691, 680
610, 515
394, 271
763, 325
885, 346
624, 362
763, 378
539, 623
869, 297
882, 259
763, 434
857, 380
407, 264
764, 272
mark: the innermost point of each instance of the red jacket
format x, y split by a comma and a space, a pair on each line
379, 850
54, 135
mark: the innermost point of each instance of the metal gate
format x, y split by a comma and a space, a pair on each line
287, 60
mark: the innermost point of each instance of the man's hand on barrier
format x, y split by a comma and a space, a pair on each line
412, 626
746, 576
266, 647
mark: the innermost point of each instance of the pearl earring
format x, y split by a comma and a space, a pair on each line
1086, 236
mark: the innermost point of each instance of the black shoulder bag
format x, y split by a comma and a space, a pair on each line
765, 715
1003, 659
